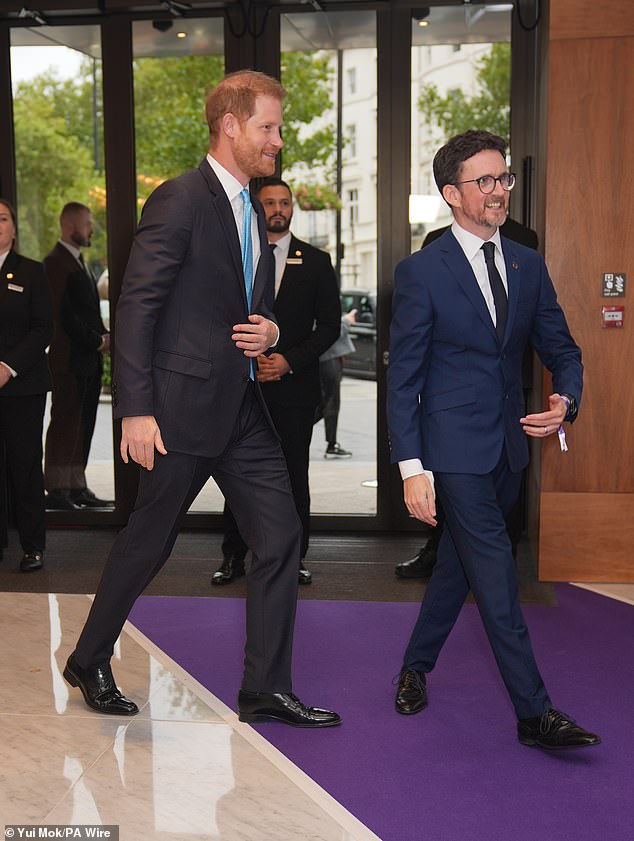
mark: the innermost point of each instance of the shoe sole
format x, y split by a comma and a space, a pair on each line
255, 718
410, 712
74, 681
534, 743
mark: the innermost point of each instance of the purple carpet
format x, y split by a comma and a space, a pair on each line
455, 771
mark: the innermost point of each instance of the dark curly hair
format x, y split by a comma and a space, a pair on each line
450, 157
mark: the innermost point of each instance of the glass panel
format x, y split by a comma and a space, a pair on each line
329, 69
461, 79
175, 65
56, 73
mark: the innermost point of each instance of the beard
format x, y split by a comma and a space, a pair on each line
278, 227
251, 160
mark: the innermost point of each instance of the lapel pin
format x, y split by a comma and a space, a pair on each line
9, 275
298, 253
515, 264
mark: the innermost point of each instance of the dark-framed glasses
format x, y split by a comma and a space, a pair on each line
486, 183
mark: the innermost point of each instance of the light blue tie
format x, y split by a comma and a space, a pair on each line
247, 256
247, 246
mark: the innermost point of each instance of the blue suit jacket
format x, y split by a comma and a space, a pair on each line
455, 392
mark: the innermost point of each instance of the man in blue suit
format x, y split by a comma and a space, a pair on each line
464, 310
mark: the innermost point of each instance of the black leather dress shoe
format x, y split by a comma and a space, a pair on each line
420, 566
554, 730
55, 501
232, 567
98, 688
411, 695
85, 498
32, 561
305, 575
282, 706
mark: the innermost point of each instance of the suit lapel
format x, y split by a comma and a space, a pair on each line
224, 210
457, 263
264, 265
9, 267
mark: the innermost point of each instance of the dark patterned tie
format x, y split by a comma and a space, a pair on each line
497, 288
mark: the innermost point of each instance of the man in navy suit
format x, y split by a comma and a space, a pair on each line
195, 311
464, 310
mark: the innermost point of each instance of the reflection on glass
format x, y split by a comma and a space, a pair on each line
461, 80
59, 160
329, 60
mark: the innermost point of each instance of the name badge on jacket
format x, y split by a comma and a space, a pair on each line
15, 288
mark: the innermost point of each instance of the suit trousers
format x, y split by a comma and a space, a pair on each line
73, 415
252, 475
475, 553
330, 374
21, 420
294, 425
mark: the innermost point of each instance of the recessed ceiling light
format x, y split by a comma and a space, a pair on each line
423, 23
181, 35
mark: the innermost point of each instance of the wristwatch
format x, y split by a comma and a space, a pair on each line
571, 414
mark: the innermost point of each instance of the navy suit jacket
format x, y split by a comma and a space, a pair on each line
454, 391
182, 293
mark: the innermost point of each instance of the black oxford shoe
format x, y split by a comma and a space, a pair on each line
420, 566
411, 695
282, 706
87, 499
305, 575
98, 688
554, 730
32, 561
232, 567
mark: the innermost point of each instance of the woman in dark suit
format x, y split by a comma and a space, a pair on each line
26, 329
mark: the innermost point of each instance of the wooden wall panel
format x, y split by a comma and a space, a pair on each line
589, 230
591, 18
586, 496
587, 537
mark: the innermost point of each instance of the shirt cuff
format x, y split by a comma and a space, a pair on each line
278, 334
9, 368
414, 467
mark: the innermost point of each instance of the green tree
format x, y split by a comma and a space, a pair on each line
171, 132
488, 109
307, 76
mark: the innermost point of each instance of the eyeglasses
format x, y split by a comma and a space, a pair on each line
486, 183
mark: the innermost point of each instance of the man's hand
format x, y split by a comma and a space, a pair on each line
420, 498
5, 375
272, 368
256, 337
542, 424
139, 437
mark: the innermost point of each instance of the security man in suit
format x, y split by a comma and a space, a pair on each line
195, 312
308, 313
26, 328
464, 310
75, 358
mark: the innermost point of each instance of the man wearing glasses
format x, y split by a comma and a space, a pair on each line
464, 310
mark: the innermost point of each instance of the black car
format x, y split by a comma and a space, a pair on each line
361, 363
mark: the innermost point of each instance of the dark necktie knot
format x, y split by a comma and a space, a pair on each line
489, 252
272, 246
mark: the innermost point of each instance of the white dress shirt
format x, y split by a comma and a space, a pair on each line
472, 247
280, 253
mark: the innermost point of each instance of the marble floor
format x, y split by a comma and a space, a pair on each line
184, 768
